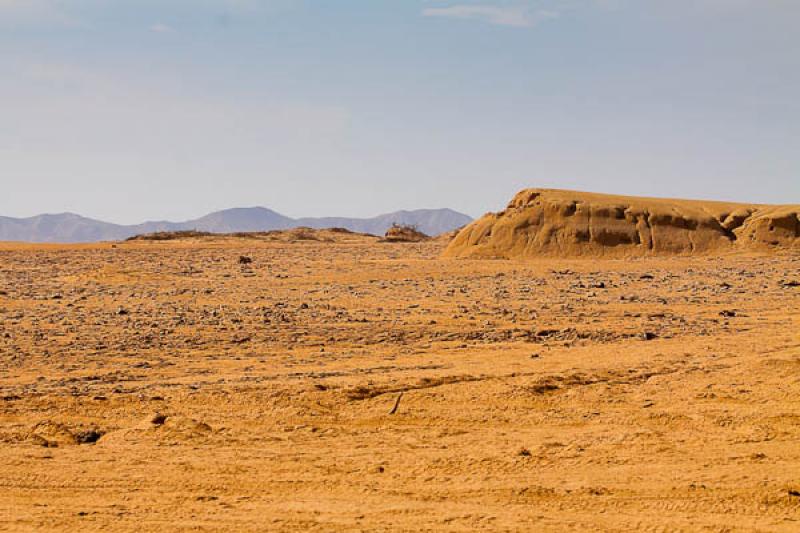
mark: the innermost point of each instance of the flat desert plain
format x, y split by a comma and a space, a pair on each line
345, 384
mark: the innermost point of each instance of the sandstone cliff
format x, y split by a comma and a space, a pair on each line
548, 222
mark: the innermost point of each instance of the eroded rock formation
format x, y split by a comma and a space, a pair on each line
548, 222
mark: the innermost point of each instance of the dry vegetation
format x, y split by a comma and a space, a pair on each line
301, 233
353, 386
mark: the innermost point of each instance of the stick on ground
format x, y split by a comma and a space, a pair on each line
396, 404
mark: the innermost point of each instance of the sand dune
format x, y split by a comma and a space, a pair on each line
548, 222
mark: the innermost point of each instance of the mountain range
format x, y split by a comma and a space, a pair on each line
69, 227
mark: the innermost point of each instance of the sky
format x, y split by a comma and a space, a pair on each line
168, 109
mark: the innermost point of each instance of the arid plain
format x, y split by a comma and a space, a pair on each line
335, 382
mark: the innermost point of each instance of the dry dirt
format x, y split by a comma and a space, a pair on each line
362, 386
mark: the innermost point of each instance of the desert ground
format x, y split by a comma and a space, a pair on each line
338, 383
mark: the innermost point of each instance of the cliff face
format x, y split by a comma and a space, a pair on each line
547, 222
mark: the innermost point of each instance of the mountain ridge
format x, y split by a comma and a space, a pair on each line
74, 228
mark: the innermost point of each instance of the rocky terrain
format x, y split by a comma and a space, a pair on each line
338, 383
548, 222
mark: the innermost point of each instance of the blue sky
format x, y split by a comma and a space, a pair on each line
154, 109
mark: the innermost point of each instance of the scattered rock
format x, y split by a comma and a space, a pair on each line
241, 339
88, 437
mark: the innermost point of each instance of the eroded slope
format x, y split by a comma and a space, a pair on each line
569, 224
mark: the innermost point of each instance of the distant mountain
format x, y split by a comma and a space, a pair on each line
69, 227
428, 221
239, 219
65, 227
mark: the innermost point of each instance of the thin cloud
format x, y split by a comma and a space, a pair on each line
158, 27
514, 16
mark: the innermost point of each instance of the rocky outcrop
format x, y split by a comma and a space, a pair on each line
403, 233
548, 222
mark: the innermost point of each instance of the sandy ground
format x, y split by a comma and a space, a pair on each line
551, 395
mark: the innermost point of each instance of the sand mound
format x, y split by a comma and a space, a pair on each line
547, 222
162, 429
447, 236
53, 434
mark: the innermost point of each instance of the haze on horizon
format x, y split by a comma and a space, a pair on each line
128, 111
